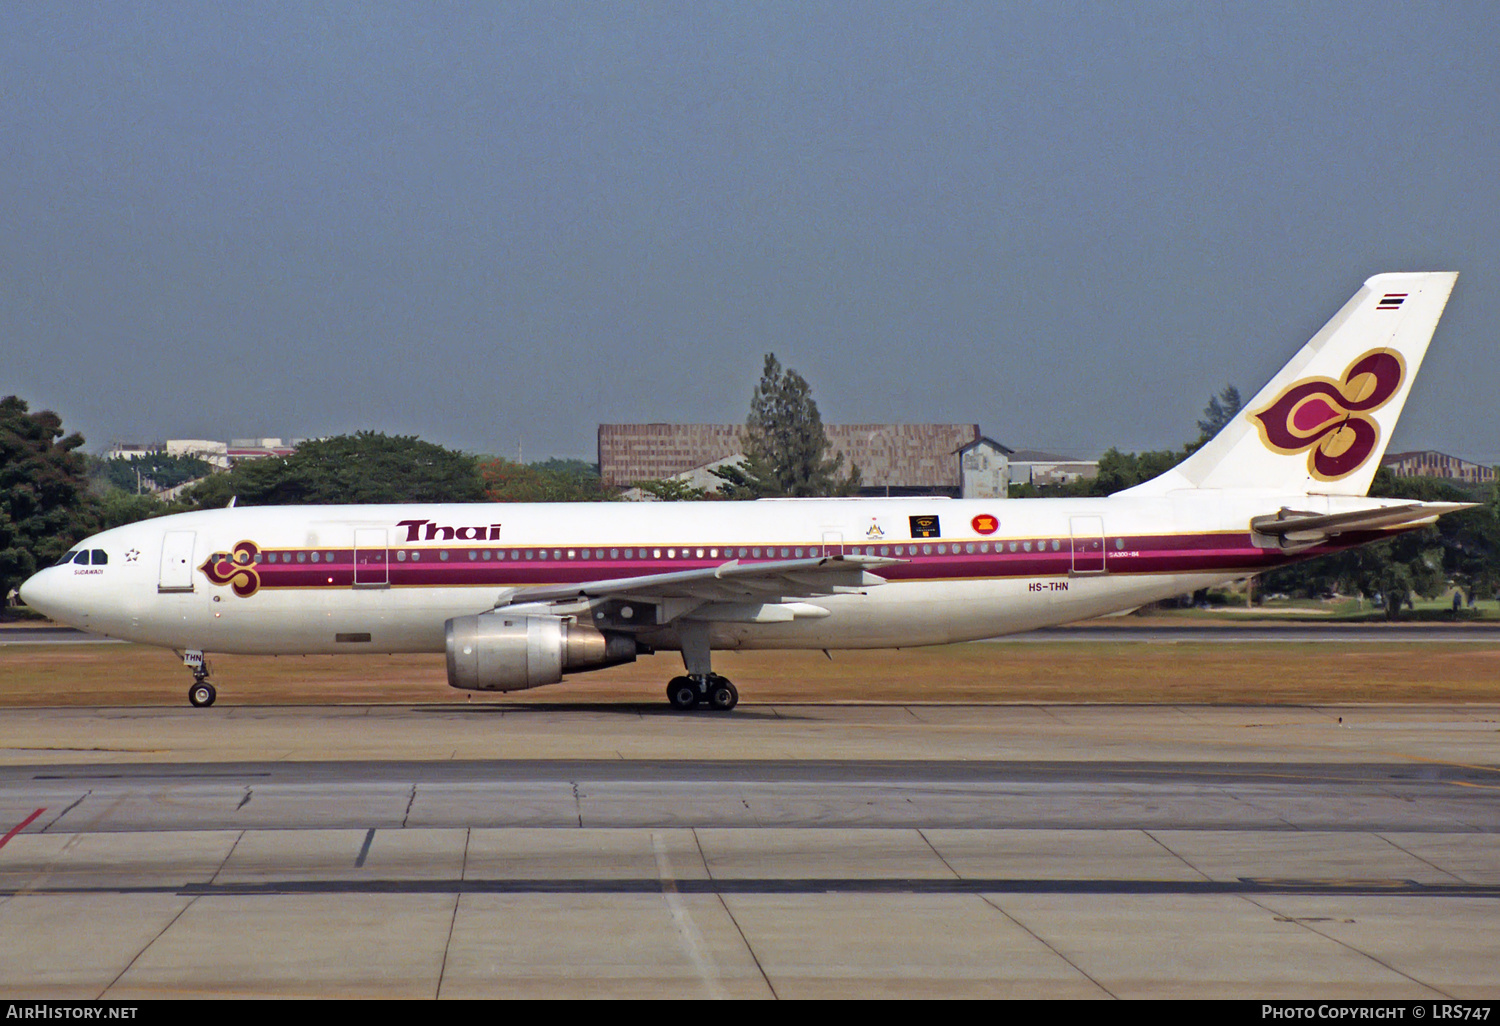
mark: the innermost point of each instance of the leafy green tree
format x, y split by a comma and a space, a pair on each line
116, 508
362, 468
151, 472
546, 481
1462, 548
672, 490
44, 506
1221, 409
786, 448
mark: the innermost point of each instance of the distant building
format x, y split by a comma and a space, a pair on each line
1034, 467
221, 454
215, 453
984, 469
240, 449
1429, 463
893, 459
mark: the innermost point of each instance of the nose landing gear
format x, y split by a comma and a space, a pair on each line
202, 693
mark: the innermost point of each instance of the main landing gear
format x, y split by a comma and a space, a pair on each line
202, 693
701, 686
705, 689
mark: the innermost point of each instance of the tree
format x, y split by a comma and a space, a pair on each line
672, 490
365, 467
1221, 409
44, 506
151, 472
547, 481
786, 448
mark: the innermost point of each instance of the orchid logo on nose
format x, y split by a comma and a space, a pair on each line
1328, 419
235, 568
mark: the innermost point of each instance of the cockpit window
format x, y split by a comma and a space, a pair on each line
67, 557
100, 557
83, 557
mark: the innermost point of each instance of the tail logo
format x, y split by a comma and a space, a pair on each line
1328, 419
236, 569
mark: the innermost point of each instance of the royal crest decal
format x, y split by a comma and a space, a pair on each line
235, 568
1328, 419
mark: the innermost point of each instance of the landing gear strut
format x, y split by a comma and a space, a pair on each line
202, 693
701, 686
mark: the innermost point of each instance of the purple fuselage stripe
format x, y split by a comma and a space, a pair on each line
1146, 554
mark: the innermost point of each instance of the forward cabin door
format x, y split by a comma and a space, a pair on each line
1088, 544
833, 543
370, 569
177, 561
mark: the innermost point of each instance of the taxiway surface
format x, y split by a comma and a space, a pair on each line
792, 851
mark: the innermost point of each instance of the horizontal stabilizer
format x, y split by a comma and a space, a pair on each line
1295, 527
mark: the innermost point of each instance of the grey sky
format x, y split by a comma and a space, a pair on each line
500, 222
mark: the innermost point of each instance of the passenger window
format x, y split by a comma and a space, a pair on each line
969, 547
443, 555
486, 554
259, 556
400, 556
416, 554
1026, 546
315, 557
302, 557
1056, 544
542, 554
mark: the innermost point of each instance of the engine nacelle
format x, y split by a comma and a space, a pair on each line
509, 652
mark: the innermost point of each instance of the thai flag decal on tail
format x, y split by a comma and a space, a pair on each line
1391, 301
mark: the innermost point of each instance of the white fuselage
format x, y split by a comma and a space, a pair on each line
327, 579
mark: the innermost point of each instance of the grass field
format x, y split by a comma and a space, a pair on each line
1115, 672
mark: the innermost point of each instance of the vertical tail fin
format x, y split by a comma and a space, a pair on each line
1323, 422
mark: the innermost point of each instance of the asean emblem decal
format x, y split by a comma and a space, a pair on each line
984, 524
1327, 419
235, 568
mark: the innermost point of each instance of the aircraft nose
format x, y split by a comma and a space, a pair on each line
43, 591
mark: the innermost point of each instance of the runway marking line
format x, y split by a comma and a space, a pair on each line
21, 826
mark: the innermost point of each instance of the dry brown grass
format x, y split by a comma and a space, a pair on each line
1122, 672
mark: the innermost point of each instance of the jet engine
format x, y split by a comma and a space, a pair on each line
509, 652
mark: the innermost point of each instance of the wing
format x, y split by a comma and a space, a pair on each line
767, 592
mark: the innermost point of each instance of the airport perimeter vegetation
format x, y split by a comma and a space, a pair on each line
1392, 666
